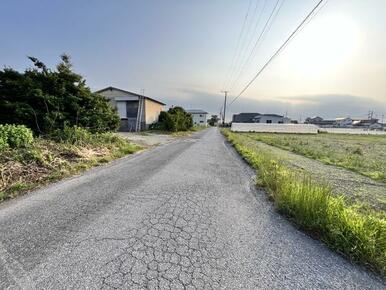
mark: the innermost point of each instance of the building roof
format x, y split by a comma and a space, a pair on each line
365, 119
196, 111
244, 117
342, 118
247, 114
251, 117
272, 115
127, 92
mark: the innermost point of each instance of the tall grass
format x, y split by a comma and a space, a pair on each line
359, 235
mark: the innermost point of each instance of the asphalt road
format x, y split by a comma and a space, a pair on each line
184, 214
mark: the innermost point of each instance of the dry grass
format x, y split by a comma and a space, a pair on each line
45, 161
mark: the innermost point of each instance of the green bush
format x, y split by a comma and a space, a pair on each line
72, 135
15, 136
47, 100
3, 144
108, 137
80, 136
175, 119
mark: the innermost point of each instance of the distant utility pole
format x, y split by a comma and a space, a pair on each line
225, 106
370, 115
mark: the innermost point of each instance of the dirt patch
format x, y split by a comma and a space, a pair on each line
145, 139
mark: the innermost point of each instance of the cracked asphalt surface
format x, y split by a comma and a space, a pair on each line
184, 215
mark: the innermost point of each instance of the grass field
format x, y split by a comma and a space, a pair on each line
354, 230
365, 154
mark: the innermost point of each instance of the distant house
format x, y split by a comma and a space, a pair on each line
377, 126
365, 123
343, 122
260, 118
319, 121
316, 119
244, 117
199, 117
136, 111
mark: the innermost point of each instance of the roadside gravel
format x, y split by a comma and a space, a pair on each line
146, 139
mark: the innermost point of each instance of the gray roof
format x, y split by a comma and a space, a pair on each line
244, 117
127, 92
249, 117
272, 115
196, 111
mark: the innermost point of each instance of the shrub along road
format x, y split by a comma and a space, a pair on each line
182, 214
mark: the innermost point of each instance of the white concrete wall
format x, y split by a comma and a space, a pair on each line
199, 119
275, 128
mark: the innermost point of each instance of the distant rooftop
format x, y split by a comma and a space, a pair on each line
257, 115
272, 115
250, 117
128, 92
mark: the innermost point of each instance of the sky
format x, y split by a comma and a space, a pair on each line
186, 52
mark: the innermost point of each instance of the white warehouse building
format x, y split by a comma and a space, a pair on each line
199, 117
137, 112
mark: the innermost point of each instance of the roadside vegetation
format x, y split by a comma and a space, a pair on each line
27, 162
52, 126
365, 154
46, 100
176, 119
345, 227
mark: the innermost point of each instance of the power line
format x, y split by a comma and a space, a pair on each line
264, 31
258, 21
278, 51
238, 44
243, 47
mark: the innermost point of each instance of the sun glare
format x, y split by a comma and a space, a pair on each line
323, 46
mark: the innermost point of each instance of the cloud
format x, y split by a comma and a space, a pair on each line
326, 106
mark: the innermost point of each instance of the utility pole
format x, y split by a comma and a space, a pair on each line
225, 106
371, 114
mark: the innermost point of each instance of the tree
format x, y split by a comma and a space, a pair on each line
183, 120
47, 100
213, 120
175, 119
